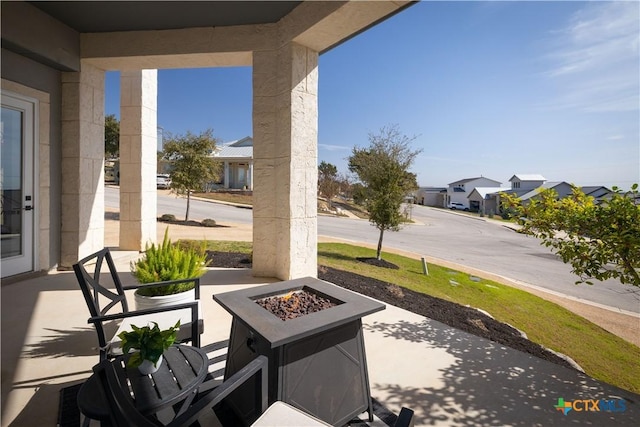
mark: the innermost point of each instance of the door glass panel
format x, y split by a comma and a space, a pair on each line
11, 134
241, 177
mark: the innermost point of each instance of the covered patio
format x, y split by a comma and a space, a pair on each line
59, 71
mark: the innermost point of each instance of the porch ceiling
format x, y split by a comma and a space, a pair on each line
108, 16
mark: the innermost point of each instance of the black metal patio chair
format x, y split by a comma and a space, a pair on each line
123, 412
94, 284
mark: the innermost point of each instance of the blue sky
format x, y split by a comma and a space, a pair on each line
486, 88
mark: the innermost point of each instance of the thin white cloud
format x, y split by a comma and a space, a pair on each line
615, 137
596, 60
330, 147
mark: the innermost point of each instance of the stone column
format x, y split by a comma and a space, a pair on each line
82, 195
285, 127
138, 161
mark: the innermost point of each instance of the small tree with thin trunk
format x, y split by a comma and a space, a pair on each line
191, 162
383, 170
328, 183
599, 240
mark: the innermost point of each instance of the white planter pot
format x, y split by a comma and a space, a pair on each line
146, 367
143, 302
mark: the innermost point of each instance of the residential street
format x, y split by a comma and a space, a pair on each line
446, 235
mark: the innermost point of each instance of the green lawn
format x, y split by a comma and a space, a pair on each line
602, 355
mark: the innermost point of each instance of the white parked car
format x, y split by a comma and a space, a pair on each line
457, 206
163, 181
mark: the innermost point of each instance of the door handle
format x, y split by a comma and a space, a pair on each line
28, 208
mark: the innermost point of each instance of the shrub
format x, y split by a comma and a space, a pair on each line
169, 262
209, 222
167, 217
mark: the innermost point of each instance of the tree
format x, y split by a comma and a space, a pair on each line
328, 183
111, 136
192, 166
345, 185
600, 241
383, 170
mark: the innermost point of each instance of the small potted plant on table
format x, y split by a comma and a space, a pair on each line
150, 342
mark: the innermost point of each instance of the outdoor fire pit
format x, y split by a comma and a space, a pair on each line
296, 304
316, 357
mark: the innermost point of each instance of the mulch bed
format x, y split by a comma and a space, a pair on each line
455, 315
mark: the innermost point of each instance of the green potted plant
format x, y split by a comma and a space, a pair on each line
150, 342
167, 262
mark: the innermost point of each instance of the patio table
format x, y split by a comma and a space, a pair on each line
183, 369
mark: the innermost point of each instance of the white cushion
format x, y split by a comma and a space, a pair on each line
281, 414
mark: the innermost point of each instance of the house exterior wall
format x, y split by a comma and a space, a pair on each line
431, 196
563, 190
239, 177
26, 77
485, 205
462, 196
432, 199
82, 197
518, 184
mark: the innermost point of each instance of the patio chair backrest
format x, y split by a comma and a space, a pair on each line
93, 288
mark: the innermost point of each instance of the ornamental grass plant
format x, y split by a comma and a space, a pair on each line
167, 262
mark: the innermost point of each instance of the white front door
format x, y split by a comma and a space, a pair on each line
16, 184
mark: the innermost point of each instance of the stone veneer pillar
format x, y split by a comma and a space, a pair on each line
82, 194
138, 162
285, 128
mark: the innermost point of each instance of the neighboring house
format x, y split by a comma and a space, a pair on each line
521, 184
597, 192
562, 188
527, 187
482, 199
459, 191
431, 196
238, 163
526, 181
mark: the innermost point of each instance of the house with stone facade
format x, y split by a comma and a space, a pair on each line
54, 59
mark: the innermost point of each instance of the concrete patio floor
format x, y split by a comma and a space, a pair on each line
448, 377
